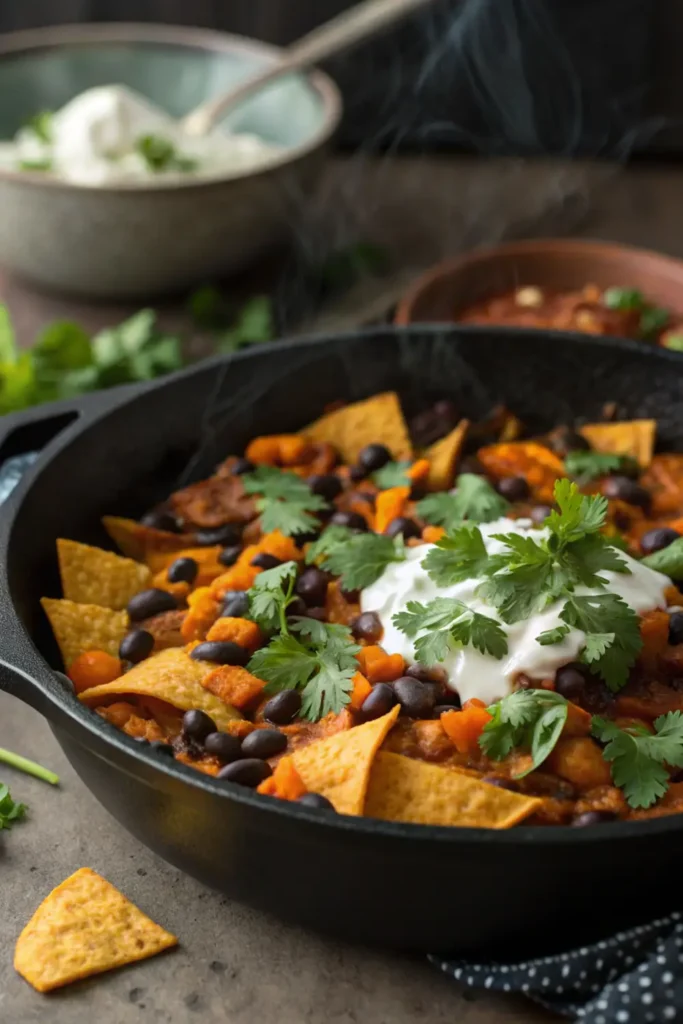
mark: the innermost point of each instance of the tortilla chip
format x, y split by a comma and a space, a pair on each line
404, 789
339, 767
93, 576
633, 437
139, 541
171, 675
443, 457
84, 627
376, 420
85, 926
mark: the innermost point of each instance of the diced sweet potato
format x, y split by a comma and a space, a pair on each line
579, 760
285, 783
361, 690
240, 631
465, 727
233, 685
378, 666
390, 505
278, 450
202, 613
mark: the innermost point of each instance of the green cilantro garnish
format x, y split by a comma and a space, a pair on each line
638, 756
361, 558
10, 811
591, 465
613, 639
271, 595
446, 624
392, 475
623, 299
474, 499
41, 126
652, 320
669, 560
285, 501
460, 555
528, 719
160, 154
255, 324
328, 540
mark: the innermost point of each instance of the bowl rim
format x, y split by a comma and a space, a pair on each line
440, 272
56, 36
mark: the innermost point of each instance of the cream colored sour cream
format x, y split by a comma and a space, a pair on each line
94, 140
470, 673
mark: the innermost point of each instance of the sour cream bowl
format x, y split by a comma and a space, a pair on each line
147, 235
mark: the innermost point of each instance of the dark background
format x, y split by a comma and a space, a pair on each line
589, 77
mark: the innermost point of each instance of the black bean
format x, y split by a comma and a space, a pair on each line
162, 521
501, 782
417, 491
354, 520
514, 488
570, 682
296, 607
352, 596
197, 725
378, 702
136, 646
283, 707
441, 709
357, 473
593, 818
406, 527
449, 699
264, 743
623, 489
657, 539
373, 457
676, 628
326, 485
367, 626
445, 410
367, 496
312, 586
220, 652
417, 699
540, 513
248, 771
427, 675
236, 604
159, 747
150, 602
223, 746
316, 613
305, 538
265, 561
183, 570
229, 555
225, 535
242, 465
316, 800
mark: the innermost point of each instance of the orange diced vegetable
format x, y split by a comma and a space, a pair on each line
179, 590
93, 668
201, 616
233, 685
419, 471
389, 506
578, 722
240, 631
285, 782
654, 632
378, 666
537, 464
278, 450
433, 534
673, 595
465, 727
361, 690
579, 760
280, 546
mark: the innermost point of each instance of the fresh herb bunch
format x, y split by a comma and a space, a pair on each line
474, 499
320, 659
285, 502
638, 756
359, 559
527, 719
446, 624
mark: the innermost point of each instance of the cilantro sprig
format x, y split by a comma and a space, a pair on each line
474, 499
357, 558
527, 719
285, 502
445, 624
669, 560
638, 756
394, 474
10, 810
588, 465
271, 595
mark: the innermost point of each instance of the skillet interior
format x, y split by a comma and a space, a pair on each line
518, 885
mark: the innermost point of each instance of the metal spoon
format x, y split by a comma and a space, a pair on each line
361, 22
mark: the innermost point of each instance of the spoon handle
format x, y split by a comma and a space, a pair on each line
361, 22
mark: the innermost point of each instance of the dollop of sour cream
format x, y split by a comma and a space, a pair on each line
470, 673
95, 140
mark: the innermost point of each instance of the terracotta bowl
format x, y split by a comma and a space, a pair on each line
442, 292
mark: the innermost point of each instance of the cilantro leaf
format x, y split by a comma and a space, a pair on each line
669, 560
608, 616
275, 483
460, 555
41, 126
10, 811
330, 688
623, 299
328, 540
588, 465
578, 515
362, 558
531, 719
160, 154
289, 517
583, 559
285, 663
474, 499
255, 324
393, 474
638, 756
652, 320
286, 501
270, 594
445, 624
673, 342
520, 580
552, 636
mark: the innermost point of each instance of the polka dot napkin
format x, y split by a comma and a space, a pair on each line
636, 977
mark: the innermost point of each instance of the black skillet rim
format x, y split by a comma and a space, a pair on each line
547, 836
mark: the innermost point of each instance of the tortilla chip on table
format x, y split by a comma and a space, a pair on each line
84, 927
93, 576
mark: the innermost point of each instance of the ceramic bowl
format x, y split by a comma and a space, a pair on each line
132, 241
443, 291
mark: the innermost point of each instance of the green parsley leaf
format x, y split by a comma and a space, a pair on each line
669, 560
520, 580
254, 325
328, 540
276, 484
445, 624
653, 319
583, 560
392, 475
460, 555
286, 501
10, 811
474, 499
638, 756
362, 559
578, 515
160, 154
552, 636
526, 719
674, 342
270, 595
587, 466
623, 299
285, 663
41, 126
616, 639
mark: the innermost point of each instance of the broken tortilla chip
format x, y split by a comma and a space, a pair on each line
376, 420
85, 926
173, 676
93, 576
84, 627
443, 458
632, 437
339, 767
404, 789
139, 541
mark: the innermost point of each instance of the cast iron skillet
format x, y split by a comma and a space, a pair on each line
528, 890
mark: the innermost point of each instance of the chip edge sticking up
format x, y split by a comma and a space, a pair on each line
88, 573
375, 420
